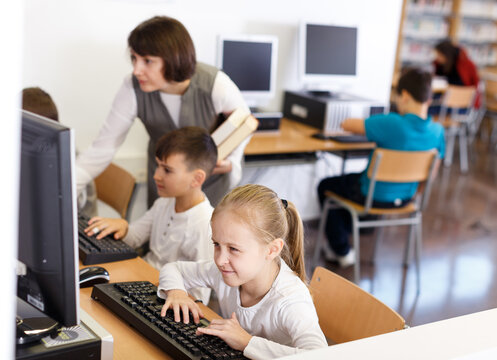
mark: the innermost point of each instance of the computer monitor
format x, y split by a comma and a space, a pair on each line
47, 219
327, 56
250, 61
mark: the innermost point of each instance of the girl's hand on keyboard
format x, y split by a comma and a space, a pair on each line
101, 227
179, 301
229, 330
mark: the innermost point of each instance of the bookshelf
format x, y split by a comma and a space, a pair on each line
469, 23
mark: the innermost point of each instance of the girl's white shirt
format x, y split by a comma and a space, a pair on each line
284, 322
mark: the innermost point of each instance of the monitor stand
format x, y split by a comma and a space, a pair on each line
33, 325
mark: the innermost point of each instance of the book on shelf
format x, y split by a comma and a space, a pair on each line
236, 128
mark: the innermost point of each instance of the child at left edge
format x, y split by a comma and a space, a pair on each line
258, 275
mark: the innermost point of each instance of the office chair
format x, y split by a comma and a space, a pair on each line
390, 166
460, 100
116, 187
346, 312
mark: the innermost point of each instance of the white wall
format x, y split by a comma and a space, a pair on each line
76, 49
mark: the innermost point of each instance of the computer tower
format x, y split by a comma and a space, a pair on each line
88, 340
326, 111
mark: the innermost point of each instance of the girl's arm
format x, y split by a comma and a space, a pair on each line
300, 322
181, 303
198, 246
98, 156
177, 277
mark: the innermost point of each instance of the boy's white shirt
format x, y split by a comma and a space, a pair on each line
284, 322
174, 236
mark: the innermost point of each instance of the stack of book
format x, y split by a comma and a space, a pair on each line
236, 128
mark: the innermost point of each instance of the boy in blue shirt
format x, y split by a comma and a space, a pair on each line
411, 129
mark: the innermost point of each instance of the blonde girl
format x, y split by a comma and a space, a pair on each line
258, 275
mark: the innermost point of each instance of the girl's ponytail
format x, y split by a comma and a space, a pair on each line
294, 252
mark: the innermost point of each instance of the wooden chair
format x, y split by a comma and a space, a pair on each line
390, 166
115, 187
489, 104
460, 101
346, 312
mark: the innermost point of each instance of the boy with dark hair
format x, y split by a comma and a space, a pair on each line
411, 129
178, 223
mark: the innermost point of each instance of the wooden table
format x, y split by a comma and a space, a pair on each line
295, 137
128, 343
293, 140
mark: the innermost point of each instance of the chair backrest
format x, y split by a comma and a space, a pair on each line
115, 187
491, 92
346, 312
401, 166
456, 98
459, 97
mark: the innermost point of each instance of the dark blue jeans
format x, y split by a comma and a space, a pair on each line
339, 222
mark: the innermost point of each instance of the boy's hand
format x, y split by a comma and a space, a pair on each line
222, 167
179, 300
101, 227
229, 330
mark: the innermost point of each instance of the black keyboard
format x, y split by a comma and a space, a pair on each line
137, 303
93, 251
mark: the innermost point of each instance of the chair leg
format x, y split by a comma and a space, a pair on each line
449, 151
463, 149
355, 236
417, 253
320, 238
377, 241
409, 246
493, 135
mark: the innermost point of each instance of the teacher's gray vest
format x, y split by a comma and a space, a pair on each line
196, 110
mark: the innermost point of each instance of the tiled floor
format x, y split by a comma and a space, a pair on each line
459, 260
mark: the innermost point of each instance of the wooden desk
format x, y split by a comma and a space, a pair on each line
295, 137
128, 343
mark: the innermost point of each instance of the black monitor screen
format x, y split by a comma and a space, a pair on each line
47, 219
248, 64
330, 50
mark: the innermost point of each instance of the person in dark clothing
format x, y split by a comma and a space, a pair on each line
454, 64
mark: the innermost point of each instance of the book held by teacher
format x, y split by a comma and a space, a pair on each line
236, 128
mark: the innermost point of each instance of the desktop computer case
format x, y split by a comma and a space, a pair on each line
326, 113
100, 347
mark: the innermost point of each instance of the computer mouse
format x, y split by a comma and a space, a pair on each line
93, 275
